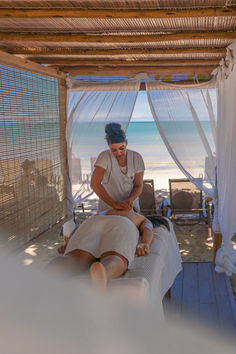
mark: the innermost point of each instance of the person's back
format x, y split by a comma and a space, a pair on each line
108, 244
137, 219
143, 224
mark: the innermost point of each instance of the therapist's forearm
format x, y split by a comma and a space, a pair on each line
135, 193
102, 194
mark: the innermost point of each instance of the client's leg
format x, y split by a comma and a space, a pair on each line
111, 265
73, 263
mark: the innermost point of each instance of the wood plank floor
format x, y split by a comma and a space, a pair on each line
203, 294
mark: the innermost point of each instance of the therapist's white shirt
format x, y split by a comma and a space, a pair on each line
118, 184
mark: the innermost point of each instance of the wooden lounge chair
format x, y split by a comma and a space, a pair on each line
186, 202
147, 200
9, 170
85, 180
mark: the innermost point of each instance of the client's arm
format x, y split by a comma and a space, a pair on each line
145, 228
62, 248
146, 237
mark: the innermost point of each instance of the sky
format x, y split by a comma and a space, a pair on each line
142, 110
174, 106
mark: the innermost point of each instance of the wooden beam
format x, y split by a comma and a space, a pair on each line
128, 62
115, 13
81, 37
120, 51
19, 63
170, 80
171, 70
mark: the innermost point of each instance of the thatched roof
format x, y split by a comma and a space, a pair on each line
95, 37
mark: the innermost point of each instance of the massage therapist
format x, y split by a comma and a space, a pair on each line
118, 175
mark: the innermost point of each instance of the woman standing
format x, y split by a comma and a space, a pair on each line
118, 175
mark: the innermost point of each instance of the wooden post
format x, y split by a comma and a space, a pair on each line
208, 211
62, 91
217, 241
168, 294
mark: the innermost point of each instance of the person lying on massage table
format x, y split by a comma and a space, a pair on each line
106, 245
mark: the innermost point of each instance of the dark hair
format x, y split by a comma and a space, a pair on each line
157, 220
114, 133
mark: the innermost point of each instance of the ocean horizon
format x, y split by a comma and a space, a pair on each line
88, 141
143, 137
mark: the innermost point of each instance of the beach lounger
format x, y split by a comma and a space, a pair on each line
9, 170
186, 202
147, 198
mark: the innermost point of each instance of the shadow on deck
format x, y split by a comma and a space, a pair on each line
203, 295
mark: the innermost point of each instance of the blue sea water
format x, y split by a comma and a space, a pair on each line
144, 137
88, 141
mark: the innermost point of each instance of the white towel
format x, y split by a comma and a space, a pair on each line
104, 233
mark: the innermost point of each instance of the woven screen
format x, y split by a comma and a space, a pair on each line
32, 186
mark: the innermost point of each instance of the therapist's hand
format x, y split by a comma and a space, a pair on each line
123, 206
129, 202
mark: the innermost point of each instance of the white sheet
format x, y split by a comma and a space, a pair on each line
151, 276
160, 267
103, 233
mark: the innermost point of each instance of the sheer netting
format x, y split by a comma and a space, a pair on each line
226, 161
186, 121
90, 108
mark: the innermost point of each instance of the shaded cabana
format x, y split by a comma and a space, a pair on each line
179, 45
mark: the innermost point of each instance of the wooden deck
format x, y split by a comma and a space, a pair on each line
203, 294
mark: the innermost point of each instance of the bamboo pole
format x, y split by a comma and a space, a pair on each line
113, 38
127, 62
120, 51
116, 13
172, 70
62, 93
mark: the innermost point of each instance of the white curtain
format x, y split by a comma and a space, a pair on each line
206, 145
90, 108
226, 160
186, 121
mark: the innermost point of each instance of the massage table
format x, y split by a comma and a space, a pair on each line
156, 271
151, 275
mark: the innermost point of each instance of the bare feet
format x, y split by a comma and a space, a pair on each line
98, 275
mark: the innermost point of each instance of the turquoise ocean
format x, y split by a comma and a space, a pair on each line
144, 137
88, 141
